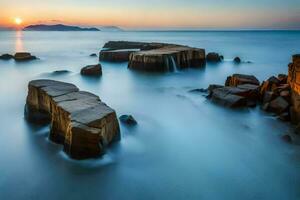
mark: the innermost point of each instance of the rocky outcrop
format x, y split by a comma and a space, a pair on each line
153, 56
24, 56
79, 120
239, 79
214, 57
92, 70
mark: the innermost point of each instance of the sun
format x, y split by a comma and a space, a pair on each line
18, 20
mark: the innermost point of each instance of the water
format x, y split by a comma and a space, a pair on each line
183, 148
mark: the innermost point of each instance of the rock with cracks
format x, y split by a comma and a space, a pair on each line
80, 121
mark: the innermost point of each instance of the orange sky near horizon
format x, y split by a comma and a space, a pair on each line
144, 16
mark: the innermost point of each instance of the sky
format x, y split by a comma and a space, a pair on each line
156, 14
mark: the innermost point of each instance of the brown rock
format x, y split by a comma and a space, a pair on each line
240, 79
24, 56
227, 96
92, 70
79, 120
278, 105
213, 57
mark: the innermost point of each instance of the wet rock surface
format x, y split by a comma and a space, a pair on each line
80, 121
92, 70
158, 57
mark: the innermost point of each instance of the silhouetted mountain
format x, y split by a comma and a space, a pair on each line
57, 27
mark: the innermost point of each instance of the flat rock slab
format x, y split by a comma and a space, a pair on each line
153, 56
229, 97
79, 120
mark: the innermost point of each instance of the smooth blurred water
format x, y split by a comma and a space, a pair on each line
184, 147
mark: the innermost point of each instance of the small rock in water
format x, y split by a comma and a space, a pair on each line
6, 57
59, 72
198, 90
128, 119
213, 57
92, 70
93, 55
24, 56
237, 60
287, 138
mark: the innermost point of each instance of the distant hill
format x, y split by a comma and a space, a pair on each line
57, 27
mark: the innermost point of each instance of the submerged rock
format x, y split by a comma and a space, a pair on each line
24, 56
239, 79
93, 55
92, 70
6, 57
128, 119
79, 120
198, 90
214, 57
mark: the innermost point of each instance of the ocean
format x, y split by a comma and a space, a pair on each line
184, 147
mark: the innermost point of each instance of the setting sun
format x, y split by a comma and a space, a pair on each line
18, 20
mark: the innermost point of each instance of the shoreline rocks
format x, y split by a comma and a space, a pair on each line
83, 124
6, 57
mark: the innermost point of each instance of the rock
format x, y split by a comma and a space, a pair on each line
60, 72
282, 78
227, 97
237, 60
285, 94
268, 96
250, 91
93, 55
239, 79
278, 105
6, 57
24, 56
116, 55
128, 119
211, 87
287, 138
153, 56
79, 120
200, 90
213, 57
297, 129
92, 70
294, 82
168, 58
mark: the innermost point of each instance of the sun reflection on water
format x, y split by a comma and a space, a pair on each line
19, 41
